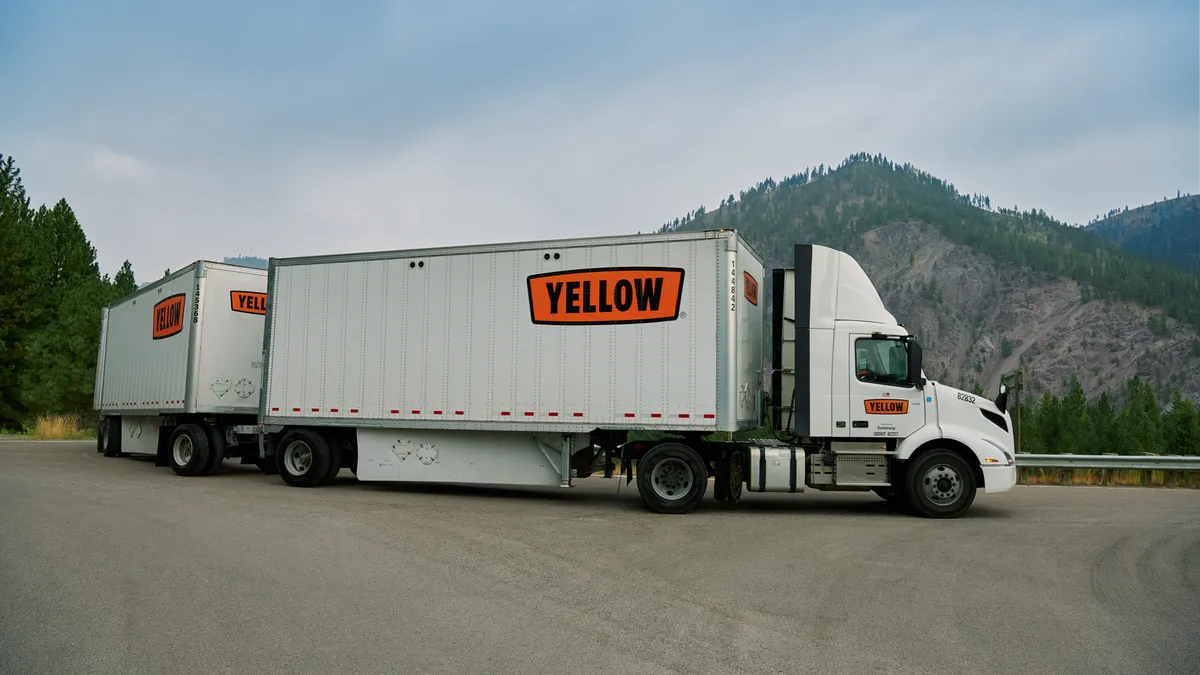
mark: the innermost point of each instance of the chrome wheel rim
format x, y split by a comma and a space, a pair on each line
942, 484
297, 458
671, 479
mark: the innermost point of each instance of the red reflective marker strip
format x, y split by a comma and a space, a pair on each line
395, 412
459, 412
553, 414
333, 410
505, 413
354, 410
274, 409
578, 414
684, 416
416, 412
316, 410
437, 412
528, 414
629, 414
295, 410
656, 414
709, 416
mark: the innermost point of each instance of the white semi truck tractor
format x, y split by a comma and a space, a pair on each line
532, 363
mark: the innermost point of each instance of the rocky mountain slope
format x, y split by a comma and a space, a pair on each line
987, 291
1168, 230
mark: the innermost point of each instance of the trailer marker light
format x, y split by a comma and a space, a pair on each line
629, 414
684, 416
395, 412
437, 412
578, 414
528, 414
332, 410
354, 411
505, 414
295, 410
316, 410
656, 415
553, 414
459, 412
274, 409
416, 412
709, 416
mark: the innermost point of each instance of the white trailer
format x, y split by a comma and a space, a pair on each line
528, 363
179, 368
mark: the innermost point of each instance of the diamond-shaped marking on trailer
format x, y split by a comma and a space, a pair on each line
220, 386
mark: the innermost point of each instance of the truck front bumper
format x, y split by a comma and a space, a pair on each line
999, 478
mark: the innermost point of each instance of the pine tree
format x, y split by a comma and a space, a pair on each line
1182, 426
61, 352
16, 290
1075, 425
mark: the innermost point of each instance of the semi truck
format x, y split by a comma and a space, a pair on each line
179, 368
533, 363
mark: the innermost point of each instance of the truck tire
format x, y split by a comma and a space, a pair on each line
216, 449
672, 478
939, 484
189, 449
303, 458
108, 437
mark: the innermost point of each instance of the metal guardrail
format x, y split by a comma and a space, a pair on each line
1113, 462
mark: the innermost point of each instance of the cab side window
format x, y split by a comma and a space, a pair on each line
881, 361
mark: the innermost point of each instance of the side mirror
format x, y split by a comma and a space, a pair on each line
1002, 398
914, 364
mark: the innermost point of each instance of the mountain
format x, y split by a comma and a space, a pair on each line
987, 289
1168, 231
246, 261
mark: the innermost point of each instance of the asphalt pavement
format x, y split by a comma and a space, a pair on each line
113, 565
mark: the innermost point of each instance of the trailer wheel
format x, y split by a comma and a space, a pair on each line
189, 450
108, 437
216, 445
939, 484
672, 478
303, 458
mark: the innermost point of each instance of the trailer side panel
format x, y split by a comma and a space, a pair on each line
557, 336
146, 340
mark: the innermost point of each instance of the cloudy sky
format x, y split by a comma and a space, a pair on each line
287, 128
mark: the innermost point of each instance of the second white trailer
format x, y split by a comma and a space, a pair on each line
179, 366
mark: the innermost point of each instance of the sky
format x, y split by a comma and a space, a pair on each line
179, 131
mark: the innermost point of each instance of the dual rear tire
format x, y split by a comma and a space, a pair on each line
196, 449
306, 458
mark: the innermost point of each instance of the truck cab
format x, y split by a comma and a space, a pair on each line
848, 386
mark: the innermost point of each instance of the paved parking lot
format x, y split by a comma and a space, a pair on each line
117, 566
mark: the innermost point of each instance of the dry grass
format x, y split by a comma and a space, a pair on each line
1184, 479
60, 428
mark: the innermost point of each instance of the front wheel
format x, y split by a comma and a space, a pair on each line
939, 484
672, 478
